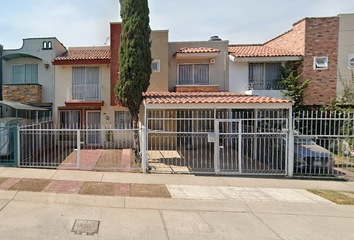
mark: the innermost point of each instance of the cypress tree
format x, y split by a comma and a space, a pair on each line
134, 58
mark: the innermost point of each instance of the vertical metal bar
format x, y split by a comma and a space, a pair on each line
290, 149
216, 146
144, 158
78, 148
240, 146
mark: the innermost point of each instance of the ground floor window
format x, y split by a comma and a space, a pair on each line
122, 120
70, 119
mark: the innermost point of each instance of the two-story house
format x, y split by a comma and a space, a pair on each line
27, 74
325, 46
86, 76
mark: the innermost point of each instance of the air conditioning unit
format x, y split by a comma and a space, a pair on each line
351, 61
212, 60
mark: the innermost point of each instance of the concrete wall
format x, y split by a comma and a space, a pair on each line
33, 46
219, 71
345, 47
238, 76
159, 51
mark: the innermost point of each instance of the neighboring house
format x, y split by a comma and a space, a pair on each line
86, 76
255, 69
28, 74
324, 44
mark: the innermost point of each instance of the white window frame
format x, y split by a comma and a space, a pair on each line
158, 66
115, 119
24, 72
99, 82
320, 66
351, 61
194, 63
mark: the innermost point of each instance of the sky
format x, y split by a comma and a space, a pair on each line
86, 22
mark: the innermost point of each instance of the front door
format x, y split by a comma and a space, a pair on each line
93, 121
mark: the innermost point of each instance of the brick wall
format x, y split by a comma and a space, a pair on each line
116, 29
293, 40
22, 93
321, 40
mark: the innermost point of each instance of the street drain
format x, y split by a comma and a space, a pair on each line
88, 227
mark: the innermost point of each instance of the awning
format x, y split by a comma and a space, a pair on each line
18, 55
21, 106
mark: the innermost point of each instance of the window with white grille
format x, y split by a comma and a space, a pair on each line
25, 74
193, 74
264, 76
70, 119
320, 63
122, 120
86, 84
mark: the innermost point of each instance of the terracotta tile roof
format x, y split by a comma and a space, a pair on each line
197, 50
259, 51
206, 97
93, 54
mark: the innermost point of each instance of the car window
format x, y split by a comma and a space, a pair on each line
304, 141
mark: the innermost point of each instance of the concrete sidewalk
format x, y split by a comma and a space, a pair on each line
201, 207
175, 179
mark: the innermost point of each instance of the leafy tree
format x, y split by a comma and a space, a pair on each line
134, 58
347, 94
290, 75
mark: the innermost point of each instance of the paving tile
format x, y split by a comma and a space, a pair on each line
9, 183
28, 173
78, 175
202, 192
64, 186
176, 191
286, 195
123, 189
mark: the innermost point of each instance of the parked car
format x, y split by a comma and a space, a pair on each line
309, 155
7, 133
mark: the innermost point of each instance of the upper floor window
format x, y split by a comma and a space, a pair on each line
155, 66
320, 63
193, 74
86, 84
25, 74
264, 76
46, 45
122, 120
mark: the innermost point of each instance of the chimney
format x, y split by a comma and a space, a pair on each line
116, 29
215, 38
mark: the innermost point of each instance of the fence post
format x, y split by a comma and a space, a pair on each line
78, 148
16, 146
143, 139
216, 147
291, 145
239, 146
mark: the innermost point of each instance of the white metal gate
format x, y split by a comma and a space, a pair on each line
246, 146
218, 141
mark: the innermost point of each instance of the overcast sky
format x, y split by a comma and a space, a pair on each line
86, 22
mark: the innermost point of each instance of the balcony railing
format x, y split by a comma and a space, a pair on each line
87, 92
265, 86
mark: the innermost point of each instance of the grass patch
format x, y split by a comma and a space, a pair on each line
98, 188
334, 196
149, 190
2, 180
32, 185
